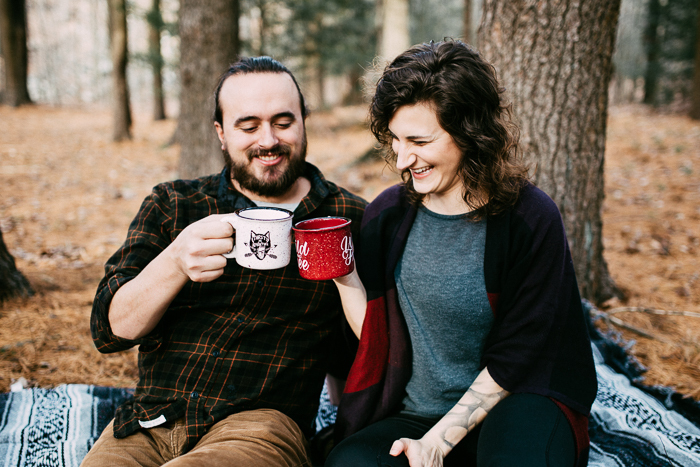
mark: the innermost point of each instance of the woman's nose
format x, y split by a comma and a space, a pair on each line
404, 156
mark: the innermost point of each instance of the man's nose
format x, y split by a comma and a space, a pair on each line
268, 138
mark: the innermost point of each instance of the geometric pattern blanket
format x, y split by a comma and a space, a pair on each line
54, 427
631, 425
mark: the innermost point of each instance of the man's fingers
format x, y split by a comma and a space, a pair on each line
206, 276
211, 269
196, 251
213, 226
217, 246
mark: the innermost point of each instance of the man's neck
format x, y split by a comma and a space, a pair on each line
294, 195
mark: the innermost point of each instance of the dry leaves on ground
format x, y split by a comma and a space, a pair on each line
68, 194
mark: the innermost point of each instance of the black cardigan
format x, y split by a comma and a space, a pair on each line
539, 341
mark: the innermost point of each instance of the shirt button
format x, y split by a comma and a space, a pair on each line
194, 395
261, 283
216, 353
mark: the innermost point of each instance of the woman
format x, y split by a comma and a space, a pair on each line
473, 345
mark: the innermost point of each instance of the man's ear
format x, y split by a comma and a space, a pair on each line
219, 132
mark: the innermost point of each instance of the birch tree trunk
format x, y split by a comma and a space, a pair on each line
555, 59
13, 43
208, 45
121, 129
394, 34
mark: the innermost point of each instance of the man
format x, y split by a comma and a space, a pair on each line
231, 360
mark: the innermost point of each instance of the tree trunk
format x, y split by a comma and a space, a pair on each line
467, 22
695, 98
155, 26
12, 282
652, 44
262, 25
120, 87
355, 96
395, 34
321, 82
208, 45
555, 59
13, 42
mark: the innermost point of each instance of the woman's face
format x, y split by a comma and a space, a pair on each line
427, 150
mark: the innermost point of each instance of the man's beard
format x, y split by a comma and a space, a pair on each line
278, 180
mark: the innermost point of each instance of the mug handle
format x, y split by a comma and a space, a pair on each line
231, 220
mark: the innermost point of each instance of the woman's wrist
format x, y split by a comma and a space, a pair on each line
432, 440
354, 299
348, 280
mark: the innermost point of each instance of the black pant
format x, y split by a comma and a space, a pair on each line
523, 430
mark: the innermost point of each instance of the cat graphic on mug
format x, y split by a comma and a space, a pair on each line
260, 245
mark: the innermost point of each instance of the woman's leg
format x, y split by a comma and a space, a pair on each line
370, 446
526, 430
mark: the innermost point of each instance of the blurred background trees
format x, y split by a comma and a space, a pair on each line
655, 53
155, 57
118, 44
329, 44
695, 100
168, 55
395, 28
208, 44
13, 46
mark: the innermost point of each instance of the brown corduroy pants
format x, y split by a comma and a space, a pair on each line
262, 437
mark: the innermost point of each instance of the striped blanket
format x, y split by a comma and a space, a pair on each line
631, 425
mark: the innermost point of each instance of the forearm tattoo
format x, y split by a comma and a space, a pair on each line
471, 409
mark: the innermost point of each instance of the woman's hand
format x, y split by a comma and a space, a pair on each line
420, 452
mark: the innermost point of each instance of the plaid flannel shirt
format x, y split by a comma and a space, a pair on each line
249, 339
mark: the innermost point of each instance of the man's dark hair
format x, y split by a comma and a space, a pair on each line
463, 90
247, 65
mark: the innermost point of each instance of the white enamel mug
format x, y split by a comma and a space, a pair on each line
263, 237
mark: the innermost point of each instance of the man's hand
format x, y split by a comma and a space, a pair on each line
197, 251
420, 453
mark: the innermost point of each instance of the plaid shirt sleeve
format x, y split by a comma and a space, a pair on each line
145, 240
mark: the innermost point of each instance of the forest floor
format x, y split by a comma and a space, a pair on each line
68, 194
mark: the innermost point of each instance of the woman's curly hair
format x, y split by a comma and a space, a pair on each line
463, 90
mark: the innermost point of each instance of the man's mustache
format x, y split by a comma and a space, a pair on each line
278, 150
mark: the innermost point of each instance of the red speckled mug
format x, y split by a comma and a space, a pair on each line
324, 248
